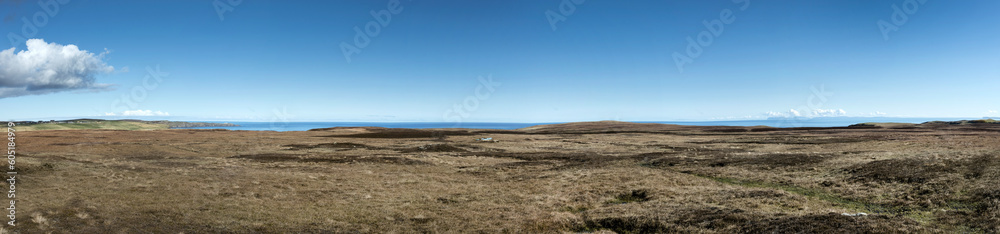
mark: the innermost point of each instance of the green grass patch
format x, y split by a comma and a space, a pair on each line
984, 121
639, 195
110, 125
577, 209
923, 215
814, 193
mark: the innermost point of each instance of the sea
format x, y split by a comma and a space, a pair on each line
782, 123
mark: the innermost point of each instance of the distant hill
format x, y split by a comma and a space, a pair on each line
129, 124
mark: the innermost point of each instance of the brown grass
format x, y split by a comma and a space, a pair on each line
615, 178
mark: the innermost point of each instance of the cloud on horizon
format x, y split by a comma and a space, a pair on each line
829, 112
50, 68
815, 113
138, 113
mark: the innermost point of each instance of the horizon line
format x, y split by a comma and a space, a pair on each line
185, 119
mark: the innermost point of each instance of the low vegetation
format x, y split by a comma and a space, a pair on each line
616, 177
99, 124
107, 125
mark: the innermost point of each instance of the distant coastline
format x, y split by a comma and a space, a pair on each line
780, 123
134, 124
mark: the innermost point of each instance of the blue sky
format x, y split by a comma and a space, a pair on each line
266, 60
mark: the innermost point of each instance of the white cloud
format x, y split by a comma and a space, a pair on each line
794, 112
48, 68
828, 112
813, 114
991, 112
775, 114
138, 113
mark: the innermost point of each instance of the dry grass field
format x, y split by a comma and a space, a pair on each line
600, 177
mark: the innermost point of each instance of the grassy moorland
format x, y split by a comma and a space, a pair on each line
100, 124
108, 125
579, 177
